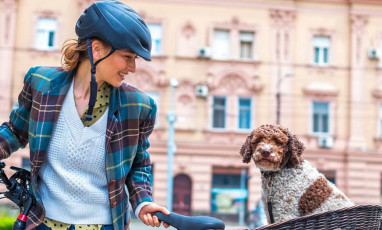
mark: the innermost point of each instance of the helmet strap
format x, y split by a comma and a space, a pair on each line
93, 82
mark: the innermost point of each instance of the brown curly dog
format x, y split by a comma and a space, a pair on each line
291, 186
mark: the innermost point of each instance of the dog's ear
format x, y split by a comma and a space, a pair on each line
295, 148
246, 149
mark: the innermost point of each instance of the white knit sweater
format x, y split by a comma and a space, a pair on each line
74, 185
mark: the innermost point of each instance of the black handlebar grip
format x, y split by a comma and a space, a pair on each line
20, 223
181, 222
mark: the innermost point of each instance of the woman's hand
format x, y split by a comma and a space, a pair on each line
148, 219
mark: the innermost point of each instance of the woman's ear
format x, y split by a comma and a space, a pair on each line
98, 49
246, 149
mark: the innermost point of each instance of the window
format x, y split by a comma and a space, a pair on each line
244, 113
320, 117
46, 34
229, 191
156, 36
321, 46
330, 175
221, 44
218, 120
246, 45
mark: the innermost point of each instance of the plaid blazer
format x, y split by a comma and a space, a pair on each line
131, 119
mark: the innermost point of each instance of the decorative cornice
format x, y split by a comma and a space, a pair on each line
282, 17
319, 89
252, 83
288, 5
358, 21
369, 2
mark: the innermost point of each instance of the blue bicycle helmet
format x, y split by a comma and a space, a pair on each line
117, 25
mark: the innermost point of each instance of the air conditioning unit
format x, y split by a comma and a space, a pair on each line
204, 52
325, 142
374, 53
201, 91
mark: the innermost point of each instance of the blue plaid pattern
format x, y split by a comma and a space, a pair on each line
131, 119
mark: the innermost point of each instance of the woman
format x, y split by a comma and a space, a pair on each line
88, 141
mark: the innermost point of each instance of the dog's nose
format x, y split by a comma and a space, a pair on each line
265, 153
266, 150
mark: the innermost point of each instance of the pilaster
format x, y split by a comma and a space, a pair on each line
357, 111
7, 44
281, 56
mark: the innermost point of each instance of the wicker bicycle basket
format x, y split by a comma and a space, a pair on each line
366, 217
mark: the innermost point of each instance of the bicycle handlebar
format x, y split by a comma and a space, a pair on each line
17, 186
181, 222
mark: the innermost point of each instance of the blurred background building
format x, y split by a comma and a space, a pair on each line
313, 66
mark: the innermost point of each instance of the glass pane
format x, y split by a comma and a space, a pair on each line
246, 36
325, 123
47, 24
226, 180
246, 50
219, 119
321, 117
218, 112
325, 55
315, 123
321, 107
156, 36
244, 120
316, 55
51, 39
244, 113
221, 44
321, 41
46, 30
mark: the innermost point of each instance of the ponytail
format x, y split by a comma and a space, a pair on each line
72, 53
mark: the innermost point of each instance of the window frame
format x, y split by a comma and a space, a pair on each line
42, 31
239, 113
321, 50
235, 28
320, 123
252, 51
155, 51
214, 45
224, 113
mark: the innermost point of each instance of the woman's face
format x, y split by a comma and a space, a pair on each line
115, 68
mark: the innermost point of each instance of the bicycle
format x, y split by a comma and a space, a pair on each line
18, 192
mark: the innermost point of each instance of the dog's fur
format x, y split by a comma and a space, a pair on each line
294, 187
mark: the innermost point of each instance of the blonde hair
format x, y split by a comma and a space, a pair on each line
72, 53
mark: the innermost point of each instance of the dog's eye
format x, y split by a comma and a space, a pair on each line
277, 141
255, 142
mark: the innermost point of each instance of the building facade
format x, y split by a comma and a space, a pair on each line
313, 65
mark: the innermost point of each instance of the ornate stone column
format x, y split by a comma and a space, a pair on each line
357, 132
281, 59
7, 44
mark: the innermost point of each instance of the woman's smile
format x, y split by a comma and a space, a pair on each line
122, 76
